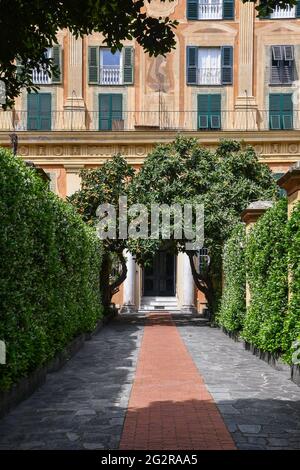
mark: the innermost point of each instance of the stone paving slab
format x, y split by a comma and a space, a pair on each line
170, 407
83, 405
260, 405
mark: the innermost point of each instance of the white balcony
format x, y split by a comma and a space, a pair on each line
210, 11
41, 77
111, 75
288, 12
209, 76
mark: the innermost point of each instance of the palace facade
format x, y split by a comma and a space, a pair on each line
232, 75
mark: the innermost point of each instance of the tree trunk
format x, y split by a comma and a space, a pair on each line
204, 283
106, 288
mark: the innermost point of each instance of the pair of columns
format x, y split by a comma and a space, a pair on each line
290, 181
129, 293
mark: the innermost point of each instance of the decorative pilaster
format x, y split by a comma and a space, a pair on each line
245, 101
188, 305
250, 216
129, 285
75, 77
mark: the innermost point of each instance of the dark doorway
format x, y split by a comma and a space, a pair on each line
159, 278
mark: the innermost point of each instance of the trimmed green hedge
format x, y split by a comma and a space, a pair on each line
266, 268
233, 304
292, 322
49, 271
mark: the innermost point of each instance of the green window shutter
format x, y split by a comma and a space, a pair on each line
39, 111
93, 62
33, 111
57, 62
128, 61
192, 65
281, 111
275, 111
227, 65
192, 9
228, 9
287, 111
110, 111
298, 9
209, 111
215, 111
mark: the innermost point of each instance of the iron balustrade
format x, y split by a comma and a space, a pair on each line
41, 77
209, 76
84, 120
210, 11
111, 75
286, 12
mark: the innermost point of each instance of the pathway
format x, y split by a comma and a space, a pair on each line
157, 384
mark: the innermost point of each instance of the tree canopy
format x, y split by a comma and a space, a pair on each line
225, 181
28, 27
104, 186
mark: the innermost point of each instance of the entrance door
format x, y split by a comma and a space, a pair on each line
159, 278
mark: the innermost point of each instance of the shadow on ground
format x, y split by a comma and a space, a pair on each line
83, 405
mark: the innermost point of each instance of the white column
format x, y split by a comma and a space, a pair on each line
188, 305
129, 286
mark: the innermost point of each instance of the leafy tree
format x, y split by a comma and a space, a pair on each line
104, 186
225, 181
28, 28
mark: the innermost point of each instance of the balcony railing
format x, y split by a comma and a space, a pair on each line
111, 75
41, 77
287, 12
209, 76
235, 120
210, 11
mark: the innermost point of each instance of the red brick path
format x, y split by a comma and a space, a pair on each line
170, 406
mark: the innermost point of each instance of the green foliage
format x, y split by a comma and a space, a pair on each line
266, 268
292, 322
233, 304
49, 271
224, 181
30, 27
105, 185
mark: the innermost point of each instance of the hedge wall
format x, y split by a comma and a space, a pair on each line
49, 271
233, 303
292, 321
266, 267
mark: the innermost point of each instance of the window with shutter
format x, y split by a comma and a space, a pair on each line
281, 111
209, 112
43, 76
192, 9
57, 62
111, 112
282, 65
93, 64
39, 111
210, 9
227, 65
128, 69
111, 67
228, 9
192, 65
